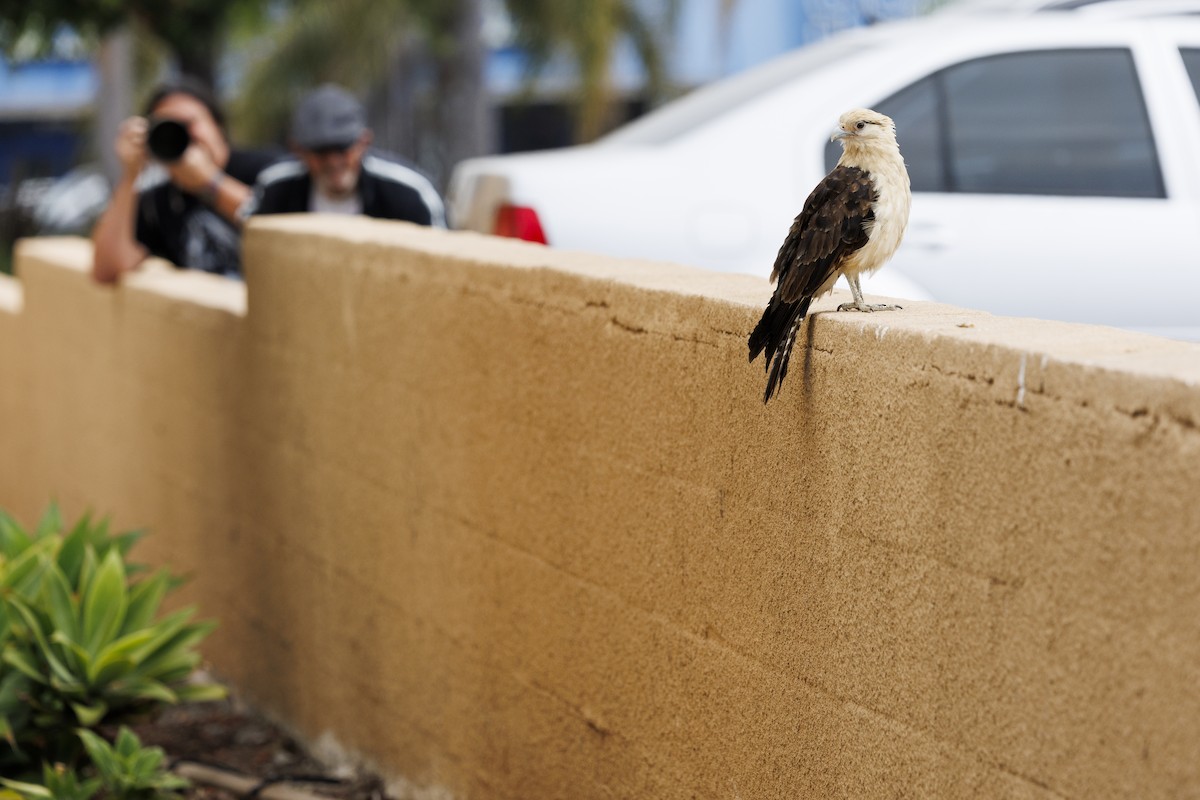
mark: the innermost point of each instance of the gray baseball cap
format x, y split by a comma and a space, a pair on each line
328, 116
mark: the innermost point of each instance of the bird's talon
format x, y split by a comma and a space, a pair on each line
868, 308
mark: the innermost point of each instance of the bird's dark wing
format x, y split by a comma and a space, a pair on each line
828, 228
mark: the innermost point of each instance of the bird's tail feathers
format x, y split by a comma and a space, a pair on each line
760, 337
776, 334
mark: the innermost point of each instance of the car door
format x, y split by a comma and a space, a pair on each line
1039, 191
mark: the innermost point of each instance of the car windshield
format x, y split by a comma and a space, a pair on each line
717, 99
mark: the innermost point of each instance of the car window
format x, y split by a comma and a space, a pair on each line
1191, 60
1064, 122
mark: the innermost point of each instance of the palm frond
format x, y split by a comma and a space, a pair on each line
351, 43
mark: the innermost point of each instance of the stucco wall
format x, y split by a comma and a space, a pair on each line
515, 523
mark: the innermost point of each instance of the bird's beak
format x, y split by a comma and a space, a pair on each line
838, 133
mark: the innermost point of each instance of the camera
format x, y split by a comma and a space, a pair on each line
168, 139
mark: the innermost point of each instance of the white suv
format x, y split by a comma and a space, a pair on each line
1054, 157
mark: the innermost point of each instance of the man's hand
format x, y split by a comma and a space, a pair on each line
195, 171
130, 145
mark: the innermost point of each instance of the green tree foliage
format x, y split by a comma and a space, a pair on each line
351, 43
589, 31
418, 61
36, 21
191, 29
422, 60
386, 46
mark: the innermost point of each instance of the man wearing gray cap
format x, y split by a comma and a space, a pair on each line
336, 174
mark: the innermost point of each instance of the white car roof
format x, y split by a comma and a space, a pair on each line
1109, 9
714, 102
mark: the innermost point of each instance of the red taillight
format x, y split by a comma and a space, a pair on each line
518, 222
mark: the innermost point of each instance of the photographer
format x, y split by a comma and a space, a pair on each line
188, 207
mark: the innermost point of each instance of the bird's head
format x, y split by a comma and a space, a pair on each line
862, 127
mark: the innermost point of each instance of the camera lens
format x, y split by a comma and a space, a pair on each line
167, 139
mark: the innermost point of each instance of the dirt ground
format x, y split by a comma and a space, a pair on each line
229, 736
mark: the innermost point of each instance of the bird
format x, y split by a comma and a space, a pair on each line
851, 224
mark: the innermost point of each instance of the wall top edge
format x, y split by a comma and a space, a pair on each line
73, 254
935, 324
942, 336
12, 295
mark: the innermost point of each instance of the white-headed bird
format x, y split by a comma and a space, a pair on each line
851, 224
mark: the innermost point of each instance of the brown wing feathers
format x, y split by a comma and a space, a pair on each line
827, 230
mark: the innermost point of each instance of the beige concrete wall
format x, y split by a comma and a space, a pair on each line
514, 523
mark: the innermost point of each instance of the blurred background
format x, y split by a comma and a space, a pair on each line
1053, 145
444, 80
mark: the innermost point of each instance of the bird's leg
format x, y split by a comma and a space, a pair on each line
859, 304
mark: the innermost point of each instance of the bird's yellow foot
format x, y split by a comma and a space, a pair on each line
867, 307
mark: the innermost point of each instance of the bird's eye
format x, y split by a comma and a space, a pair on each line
861, 125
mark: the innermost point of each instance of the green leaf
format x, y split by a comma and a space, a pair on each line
68, 691
63, 608
111, 672
13, 685
13, 540
34, 625
119, 658
201, 692
70, 553
20, 660
127, 742
165, 631
101, 753
148, 689
176, 651
145, 764
90, 715
78, 660
24, 572
64, 783
86, 570
178, 669
23, 790
145, 596
104, 603
50, 523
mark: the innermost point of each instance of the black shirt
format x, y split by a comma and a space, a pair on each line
388, 190
182, 228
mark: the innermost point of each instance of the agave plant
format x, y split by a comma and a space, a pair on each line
124, 770
129, 771
80, 643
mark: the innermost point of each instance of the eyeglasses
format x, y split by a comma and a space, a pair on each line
332, 149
